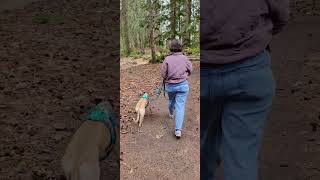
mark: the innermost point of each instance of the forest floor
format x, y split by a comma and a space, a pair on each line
127, 62
50, 74
291, 146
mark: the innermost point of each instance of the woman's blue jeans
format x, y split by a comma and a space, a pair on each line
177, 100
235, 100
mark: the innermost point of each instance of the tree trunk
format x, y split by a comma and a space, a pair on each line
141, 42
125, 26
186, 22
189, 13
180, 23
151, 30
157, 33
173, 18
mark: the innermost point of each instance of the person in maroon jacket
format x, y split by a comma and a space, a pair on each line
237, 84
175, 70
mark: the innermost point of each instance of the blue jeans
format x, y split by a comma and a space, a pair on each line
235, 100
177, 100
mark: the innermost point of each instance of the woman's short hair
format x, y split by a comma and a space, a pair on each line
175, 45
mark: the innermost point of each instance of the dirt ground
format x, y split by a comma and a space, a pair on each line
291, 148
130, 62
50, 74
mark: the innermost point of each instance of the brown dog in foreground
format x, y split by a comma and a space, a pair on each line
141, 108
87, 147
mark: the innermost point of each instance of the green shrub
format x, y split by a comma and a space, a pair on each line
192, 51
160, 57
136, 54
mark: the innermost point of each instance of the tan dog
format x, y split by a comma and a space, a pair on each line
87, 147
141, 108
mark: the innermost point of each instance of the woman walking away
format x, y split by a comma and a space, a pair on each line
175, 71
237, 85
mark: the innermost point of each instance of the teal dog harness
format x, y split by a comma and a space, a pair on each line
146, 97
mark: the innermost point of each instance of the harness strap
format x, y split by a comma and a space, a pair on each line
113, 139
108, 117
146, 97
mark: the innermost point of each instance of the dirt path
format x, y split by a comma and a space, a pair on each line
291, 149
155, 153
130, 62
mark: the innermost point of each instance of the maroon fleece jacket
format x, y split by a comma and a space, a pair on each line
176, 68
233, 30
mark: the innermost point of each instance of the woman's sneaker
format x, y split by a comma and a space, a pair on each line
177, 133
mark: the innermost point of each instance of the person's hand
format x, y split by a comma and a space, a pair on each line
158, 91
